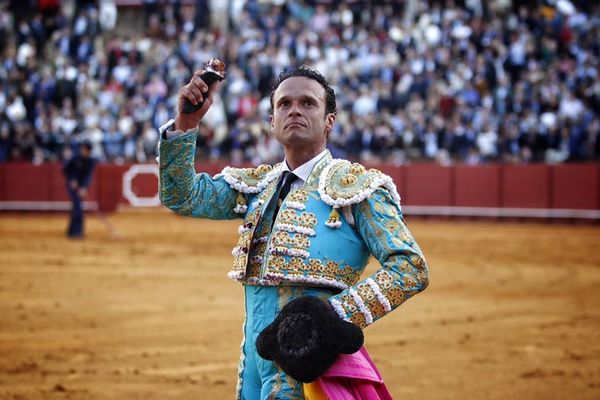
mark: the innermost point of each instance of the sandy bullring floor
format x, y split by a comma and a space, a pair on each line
512, 312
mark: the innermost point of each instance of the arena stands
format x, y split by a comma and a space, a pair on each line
467, 82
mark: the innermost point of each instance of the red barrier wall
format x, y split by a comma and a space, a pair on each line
567, 186
526, 186
576, 186
110, 186
477, 186
428, 185
27, 182
2, 185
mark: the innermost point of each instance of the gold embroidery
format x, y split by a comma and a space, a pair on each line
348, 180
284, 296
348, 303
345, 180
358, 319
312, 268
380, 208
384, 279
299, 241
249, 176
417, 261
263, 169
409, 282
357, 169
395, 296
295, 264
313, 265
423, 277
406, 267
331, 268
366, 292
305, 219
299, 196
392, 225
377, 309
308, 219
276, 262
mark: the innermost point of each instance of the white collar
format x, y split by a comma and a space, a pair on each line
303, 171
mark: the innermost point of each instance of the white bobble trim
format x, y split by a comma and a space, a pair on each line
361, 306
235, 275
337, 306
307, 279
262, 239
381, 181
334, 225
240, 208
382, 299
296, 205
296, 229
257, 259
279, 250
242, 229
240, 186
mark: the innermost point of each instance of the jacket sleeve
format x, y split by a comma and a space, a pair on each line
188, 193
403, 271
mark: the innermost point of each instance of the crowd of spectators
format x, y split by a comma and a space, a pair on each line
473, 81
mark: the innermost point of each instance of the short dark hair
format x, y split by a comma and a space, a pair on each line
306, 72
86, 144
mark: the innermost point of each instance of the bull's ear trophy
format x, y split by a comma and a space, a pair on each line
214, 71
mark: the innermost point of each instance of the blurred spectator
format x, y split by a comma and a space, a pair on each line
485, 81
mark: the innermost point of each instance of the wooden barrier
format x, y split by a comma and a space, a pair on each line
575, 186
429, 185
526, 186
477, 186
566, 190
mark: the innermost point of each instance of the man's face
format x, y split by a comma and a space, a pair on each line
299, 120
85, 151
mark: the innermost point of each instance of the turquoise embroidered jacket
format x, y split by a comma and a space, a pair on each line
323, 234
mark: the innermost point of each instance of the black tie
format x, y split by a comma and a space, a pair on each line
286, 184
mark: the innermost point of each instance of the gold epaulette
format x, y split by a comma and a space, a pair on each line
343, 183
250, 180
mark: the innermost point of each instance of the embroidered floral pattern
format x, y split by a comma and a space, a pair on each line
403, 273
285, 239
250, 180
342, 183
349, 309
188, 193
305, 219
296, 199
241, 251
312, 271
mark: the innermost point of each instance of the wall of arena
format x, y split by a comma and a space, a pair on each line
569, 191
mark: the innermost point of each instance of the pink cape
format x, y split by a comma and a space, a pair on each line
353, 377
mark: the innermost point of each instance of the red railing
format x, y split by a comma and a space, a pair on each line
565, 190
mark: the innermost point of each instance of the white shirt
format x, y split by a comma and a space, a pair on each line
303, 171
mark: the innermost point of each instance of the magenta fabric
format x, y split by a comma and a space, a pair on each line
354, 377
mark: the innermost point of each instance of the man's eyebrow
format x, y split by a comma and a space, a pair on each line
301, 97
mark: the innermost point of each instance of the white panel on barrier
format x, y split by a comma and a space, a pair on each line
128, 192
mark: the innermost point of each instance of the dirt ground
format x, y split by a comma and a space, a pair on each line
512, 311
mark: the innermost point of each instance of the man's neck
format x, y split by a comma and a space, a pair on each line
297, 157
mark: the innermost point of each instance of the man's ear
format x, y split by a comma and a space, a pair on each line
271, 121
329, 122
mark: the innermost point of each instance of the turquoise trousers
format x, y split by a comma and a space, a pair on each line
258, 378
